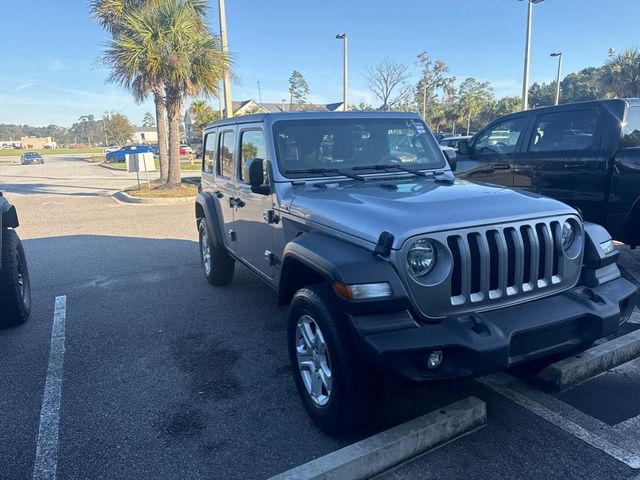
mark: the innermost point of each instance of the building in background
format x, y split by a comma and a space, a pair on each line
145, 135
37, 143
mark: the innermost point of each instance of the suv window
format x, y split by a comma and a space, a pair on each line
501, 137
226, 148
561, 131
252, 146
209, 153
631, 128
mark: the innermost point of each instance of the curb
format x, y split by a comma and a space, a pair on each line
125, 198
387, 449
104, 165
581, 367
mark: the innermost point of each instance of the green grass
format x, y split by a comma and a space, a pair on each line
183, 166
57, 151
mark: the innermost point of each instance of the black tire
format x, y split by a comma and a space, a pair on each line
221, 266
356, 388
15, 289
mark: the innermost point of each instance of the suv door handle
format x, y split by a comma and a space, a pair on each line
236, 202
501, 166
218, 194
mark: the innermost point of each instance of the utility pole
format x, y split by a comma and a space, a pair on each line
227, 75
259, 93
527, 54
345, 70
424, 101
559, 55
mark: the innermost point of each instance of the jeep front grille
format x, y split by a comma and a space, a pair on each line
505, 261
492, 266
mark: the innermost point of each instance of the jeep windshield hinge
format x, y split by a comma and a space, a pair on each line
383, 247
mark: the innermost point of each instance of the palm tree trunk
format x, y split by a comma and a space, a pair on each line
174, 108
163, 140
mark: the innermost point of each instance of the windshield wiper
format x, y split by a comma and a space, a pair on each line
399, 167
324, 171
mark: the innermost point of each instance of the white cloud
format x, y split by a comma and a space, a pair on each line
24, 86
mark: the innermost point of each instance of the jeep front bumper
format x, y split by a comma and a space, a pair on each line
480, 343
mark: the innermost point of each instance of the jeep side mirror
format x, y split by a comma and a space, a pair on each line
451, 158
463, 147
256, 177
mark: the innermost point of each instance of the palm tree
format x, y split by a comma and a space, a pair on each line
168, 43
622, 73
113, 16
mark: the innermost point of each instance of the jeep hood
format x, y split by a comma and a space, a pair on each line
408, 208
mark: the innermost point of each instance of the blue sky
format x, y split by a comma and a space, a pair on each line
50, 75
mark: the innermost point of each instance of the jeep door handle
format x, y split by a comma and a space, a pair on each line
236, 202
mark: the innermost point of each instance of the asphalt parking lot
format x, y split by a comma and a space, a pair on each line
166, 377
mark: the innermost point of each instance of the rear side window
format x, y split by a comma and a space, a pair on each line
631, 128
209, 153
562, 131
226, 147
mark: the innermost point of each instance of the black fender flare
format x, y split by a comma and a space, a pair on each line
9, 216
337, 260
208, 208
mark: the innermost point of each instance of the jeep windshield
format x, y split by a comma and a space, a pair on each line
313, 148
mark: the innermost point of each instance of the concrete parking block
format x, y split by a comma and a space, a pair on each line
596, 360
384, 450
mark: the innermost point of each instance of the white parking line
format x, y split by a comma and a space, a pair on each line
47, 447
588, 429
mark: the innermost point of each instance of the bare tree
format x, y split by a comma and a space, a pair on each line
388, 82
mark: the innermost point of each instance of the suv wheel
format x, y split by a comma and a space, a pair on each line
217, 265
15, 289
339, 392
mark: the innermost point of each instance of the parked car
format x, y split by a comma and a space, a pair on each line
453, 141
15, 289
390, 263
119, 155
28, 158
585, 154
185, 149
112, 148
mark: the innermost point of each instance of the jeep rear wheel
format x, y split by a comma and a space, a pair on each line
217, 265
15, 289
339, 392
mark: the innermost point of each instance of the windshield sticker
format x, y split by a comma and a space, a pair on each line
419, 128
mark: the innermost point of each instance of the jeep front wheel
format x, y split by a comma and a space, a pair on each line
15, 289
217, 265
339, 392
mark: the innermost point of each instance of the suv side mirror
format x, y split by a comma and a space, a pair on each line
451, 158
256, 177
463, 147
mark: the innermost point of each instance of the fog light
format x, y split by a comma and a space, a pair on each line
434, 359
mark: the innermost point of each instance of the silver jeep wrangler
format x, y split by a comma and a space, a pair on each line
390, 263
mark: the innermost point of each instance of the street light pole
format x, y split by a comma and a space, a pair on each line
559, 55
527, 53
227, 75
345, 71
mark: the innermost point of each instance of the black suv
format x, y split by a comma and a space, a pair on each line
585, 154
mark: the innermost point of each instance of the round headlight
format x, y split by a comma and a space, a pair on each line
568, 235
421, 258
